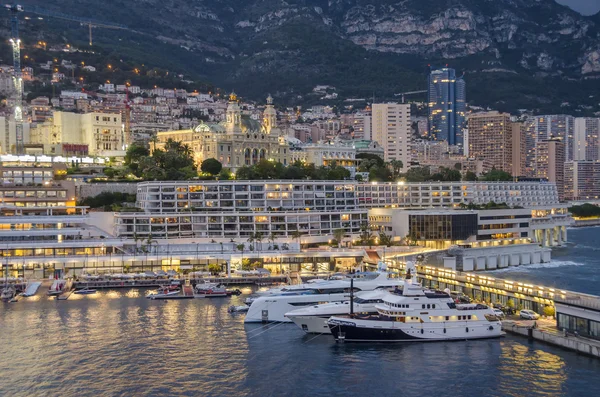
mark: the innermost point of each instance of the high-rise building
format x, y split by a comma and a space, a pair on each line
391, 128
581, 180
362, 126
447, 106
543, 127
490, 138
519, 149
550, 162
586, 144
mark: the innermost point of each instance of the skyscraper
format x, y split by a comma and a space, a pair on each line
391, 128
550, 163
447, 106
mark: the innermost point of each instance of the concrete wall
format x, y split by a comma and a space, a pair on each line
490, 258
93, 189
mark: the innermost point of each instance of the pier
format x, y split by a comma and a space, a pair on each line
161, 282
545, 331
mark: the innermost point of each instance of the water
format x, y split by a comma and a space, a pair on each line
575, 267
117, 343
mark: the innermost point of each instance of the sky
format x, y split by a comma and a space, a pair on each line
586, 7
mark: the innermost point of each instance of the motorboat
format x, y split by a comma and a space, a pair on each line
416, 314
85, 291
8, 293
213, 290
164, 293
58, 287
238, 309
313, 319
272, 306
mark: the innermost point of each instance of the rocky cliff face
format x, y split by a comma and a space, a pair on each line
527, 37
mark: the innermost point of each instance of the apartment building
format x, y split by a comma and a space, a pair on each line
391, 128
550, 163
490, 137
582, 180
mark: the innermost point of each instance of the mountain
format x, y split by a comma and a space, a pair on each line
532, 54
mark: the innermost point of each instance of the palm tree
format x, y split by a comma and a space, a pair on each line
272, 239
297, 235
338, 234
251, 240
366, 237
154, 141
258, 237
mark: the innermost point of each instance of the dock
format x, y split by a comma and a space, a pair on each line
162, 282
546, 331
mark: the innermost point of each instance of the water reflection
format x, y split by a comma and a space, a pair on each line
120, 343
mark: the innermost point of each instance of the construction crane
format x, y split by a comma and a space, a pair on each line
91, 23
410, 93
15, 41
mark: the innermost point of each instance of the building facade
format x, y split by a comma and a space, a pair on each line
582, 180
446, 106
550, 163
237, 141
391, 128
490, 137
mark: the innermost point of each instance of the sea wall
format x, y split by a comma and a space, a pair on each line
586, 222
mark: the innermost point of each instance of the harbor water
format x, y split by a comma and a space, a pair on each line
117, 343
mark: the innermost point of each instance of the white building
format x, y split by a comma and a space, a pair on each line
391, 128
586, 143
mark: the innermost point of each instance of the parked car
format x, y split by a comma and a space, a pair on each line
499, 313
528, 315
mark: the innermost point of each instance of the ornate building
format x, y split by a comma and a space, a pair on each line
237, 141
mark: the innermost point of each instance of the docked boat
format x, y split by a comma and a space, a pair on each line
8, 293
58, 287
164, 293
313, 319
417, 315
213, 290
238, 309
272, 307
85, 291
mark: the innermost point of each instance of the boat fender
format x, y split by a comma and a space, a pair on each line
444, 330
422, 331
467, 329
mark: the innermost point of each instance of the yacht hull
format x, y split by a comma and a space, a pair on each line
353, 330
311, 324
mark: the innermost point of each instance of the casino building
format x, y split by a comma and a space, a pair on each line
237, 141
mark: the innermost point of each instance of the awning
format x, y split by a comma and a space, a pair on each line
372, 257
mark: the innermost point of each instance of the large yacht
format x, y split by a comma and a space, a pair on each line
313, 319
415, 315
272, 307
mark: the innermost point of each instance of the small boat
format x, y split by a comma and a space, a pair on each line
57, 287
85, 291
213, 290
8, 293
238, 309
164, 293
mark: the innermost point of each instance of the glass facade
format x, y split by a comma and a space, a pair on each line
582, 326
443, 227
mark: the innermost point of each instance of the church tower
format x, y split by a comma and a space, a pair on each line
234, 115
269, 116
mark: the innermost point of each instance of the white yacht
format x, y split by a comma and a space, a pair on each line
272, 307
416, 315
313, 319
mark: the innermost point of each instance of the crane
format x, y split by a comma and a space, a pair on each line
91, 23
14, 10
410, 93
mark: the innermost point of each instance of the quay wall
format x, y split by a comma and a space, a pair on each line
578, 344
586, 222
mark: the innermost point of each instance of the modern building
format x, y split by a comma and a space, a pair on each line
95, 134
391, 128
446, 106
237, 141
491, 138
582, 180
362, 126
8, 134
586, 143
550, 163
543, 127
519, 149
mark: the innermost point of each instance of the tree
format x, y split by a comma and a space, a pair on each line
497, 175
258, 237
470, 176
297, 235
225, 174
397, 166
369, 156
338, 234
214, 269
385, 239
366, 237
458, 166
418, 174
211, 166
135, 153
154, 141
245, 173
